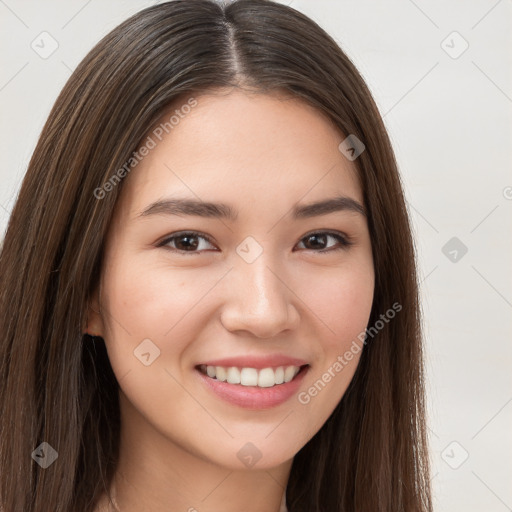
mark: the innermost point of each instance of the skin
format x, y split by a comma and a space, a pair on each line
262, 154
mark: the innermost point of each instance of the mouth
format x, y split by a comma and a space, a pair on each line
252, 377
252, 388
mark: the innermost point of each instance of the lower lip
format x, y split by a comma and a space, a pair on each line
254, 397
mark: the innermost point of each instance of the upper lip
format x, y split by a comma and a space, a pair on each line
257, 362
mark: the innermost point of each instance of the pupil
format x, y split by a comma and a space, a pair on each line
187, 244
313, 237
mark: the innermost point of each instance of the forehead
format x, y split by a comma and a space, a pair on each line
240, 147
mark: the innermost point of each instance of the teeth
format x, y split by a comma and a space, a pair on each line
264, 378
289, 373
233, 375
220, 373
249, 377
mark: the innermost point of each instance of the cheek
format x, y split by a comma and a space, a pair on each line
342, 301
149, 300
147, 303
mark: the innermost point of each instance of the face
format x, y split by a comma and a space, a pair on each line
190, 289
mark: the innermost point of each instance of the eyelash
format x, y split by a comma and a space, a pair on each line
344, 241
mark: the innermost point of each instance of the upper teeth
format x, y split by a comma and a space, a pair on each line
264, 378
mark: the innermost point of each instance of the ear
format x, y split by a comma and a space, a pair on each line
94, 322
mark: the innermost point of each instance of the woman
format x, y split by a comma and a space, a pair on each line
208, 285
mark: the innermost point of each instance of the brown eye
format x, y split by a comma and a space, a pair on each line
186, 242
189, 242
317, 241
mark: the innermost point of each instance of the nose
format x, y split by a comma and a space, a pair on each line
259, 300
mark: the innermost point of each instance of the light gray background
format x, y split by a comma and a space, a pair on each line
449, 117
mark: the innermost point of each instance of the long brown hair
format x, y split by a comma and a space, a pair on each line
371, 454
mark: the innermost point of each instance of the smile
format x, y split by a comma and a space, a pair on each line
263, 378
252, 388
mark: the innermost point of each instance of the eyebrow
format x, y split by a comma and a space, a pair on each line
180, 207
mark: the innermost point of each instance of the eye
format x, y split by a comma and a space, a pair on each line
320, 238
185, 242
188, 241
